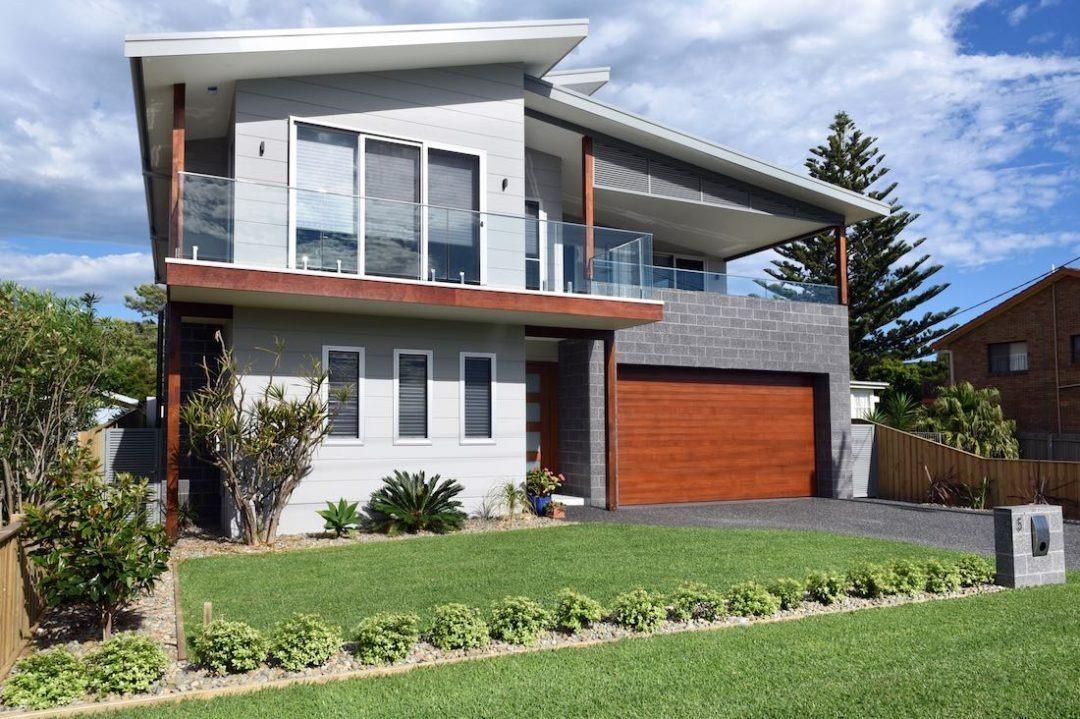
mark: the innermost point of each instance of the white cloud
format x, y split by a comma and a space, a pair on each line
110, 276
1017, 14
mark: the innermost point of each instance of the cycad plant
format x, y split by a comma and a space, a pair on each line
971, 419
410, 502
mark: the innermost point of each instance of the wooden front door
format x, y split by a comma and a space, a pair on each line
542, 415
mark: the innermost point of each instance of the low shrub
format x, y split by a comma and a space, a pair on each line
457, 626
789, 591
518, 620
386, 638
304, 640
575, 611
908, 576
226, 647
340, 518
975, 569
696, 601
826, 587
750, 599
46, 679
411, 502
942, 577
638, 610
126, 664
872, 581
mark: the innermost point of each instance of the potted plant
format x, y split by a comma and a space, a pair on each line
556, 510
540, 484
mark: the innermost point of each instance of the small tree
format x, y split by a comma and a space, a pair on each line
971, 419
263, 444
148, 300
92, 540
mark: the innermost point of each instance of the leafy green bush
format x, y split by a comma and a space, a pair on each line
409, 502
908, 576
975, 569
574, 611
341, 518
872, 581
226, 647
457, 626
126, 664
304, 640
518, 620
386, 638
638, 610
750, 599
826, 587
942, 577
46, 679
789, 591
692, 600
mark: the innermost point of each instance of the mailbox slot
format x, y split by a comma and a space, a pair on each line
1040, 535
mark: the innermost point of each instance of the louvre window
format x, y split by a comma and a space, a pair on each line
1007, 357
345, 367
478, 377
413, 373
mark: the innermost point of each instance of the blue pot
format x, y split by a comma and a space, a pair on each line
540, 504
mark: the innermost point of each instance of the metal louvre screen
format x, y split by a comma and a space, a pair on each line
478, 397
412, 396
344, 369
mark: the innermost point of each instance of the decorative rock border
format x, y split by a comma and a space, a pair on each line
183, 681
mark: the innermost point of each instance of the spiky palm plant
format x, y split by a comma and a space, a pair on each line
898, 410
410, 502
971, 419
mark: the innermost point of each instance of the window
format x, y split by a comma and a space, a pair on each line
1007, 357
453, 219
412, 395
391, 209
477, 396
345, 388
326, 200
532, 245
1076, 348
678, 272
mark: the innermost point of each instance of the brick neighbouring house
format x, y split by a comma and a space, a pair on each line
1029, 348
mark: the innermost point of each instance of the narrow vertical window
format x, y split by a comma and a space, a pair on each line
477, 393
413, 375
345, 369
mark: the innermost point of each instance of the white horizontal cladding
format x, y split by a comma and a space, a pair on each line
348, 469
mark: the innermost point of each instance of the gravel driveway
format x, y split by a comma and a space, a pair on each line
968, 531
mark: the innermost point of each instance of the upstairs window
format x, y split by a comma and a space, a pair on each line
477, 394
1007, 357
412, 380
345, 370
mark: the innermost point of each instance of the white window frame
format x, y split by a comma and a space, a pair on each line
461, 397
361, 135
361, 370
541, 216
398, 439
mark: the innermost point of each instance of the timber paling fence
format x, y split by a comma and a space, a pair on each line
20, 605
903, 460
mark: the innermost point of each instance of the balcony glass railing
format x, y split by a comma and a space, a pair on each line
273, 226
669, 278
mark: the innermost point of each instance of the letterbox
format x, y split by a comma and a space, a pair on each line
1040, 535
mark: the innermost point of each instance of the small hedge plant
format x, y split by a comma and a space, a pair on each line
826, 587
227, 647
518, 620
692, 600
304, 640
639, 611
789, 591
942, 577
975, 569
574, 611
872, 581
750, 599
46, 679
386, 638
457, 626
126, 664
909, 577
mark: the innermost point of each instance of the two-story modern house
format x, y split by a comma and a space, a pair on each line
508, 270
1029, 348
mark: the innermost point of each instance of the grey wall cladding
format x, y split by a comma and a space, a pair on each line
702, 329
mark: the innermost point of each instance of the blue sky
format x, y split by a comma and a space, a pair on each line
976, 104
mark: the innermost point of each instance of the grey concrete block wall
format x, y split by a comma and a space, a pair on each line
1016, 564
710, 330
581, 419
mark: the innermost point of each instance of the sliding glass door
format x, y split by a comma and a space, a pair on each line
453, 216
326, 196
391, 209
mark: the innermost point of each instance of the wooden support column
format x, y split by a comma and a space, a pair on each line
841, 264
176, 199
172, 419
588, 210
611, 422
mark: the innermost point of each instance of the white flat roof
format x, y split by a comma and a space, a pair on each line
585, 80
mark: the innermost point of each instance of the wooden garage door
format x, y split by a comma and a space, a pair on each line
688, 435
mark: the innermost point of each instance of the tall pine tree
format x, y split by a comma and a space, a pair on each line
883, 287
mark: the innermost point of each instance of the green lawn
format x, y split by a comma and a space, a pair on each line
1011, 654
345, 584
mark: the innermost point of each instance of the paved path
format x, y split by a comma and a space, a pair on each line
968, 531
